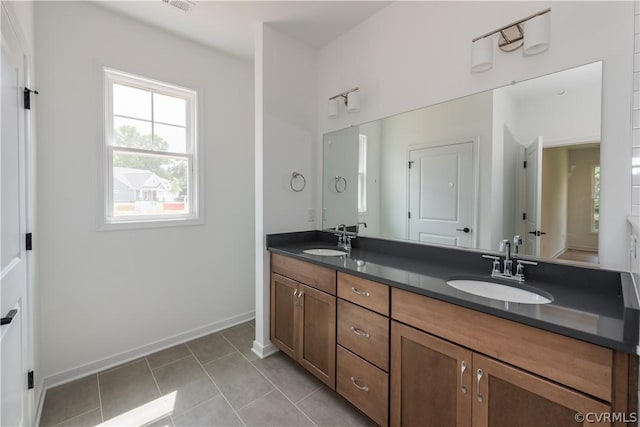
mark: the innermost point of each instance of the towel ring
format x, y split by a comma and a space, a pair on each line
295, 176
338, 180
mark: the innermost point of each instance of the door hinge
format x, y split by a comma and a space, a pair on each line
29, 242
524, 216
409, 215
27, 98
525, 164
30, 385
410, 163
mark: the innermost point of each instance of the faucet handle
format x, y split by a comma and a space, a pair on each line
524, 261
496, 263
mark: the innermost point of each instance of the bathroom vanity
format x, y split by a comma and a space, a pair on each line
382, 328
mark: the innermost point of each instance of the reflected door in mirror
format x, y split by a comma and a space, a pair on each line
441, 195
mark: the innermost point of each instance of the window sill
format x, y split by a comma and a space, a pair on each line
147, 224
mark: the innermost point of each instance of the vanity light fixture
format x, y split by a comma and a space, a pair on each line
351, 101
511, 38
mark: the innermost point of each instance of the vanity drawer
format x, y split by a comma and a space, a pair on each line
312, 275
372, 295
583, 366
364, 385
364, 333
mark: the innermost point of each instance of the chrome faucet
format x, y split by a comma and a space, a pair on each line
505, 246
358, 224
517, 241
344, 237
507, 269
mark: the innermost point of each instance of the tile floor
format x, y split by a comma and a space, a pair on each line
211, 381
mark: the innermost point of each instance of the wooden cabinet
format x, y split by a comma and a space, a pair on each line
363, 345
431, 383
317, 334
364, 385
436, 363
507, 396
437, 383
303, 325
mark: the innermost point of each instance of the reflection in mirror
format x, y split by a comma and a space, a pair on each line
519, 160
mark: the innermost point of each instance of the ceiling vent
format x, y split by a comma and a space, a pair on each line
183, 5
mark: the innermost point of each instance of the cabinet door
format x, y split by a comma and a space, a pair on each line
506, 396
284, 317
317, 335
430, 380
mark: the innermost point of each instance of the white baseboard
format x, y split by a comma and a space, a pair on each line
559, 253
130, 355
263, 351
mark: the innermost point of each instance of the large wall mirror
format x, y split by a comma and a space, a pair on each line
517, 160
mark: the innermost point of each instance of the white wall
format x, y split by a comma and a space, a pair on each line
285, 76
581, 162
103, 294
574, 116
372, 216
441, 124
504, 160
413, 54
555, 171
340, 158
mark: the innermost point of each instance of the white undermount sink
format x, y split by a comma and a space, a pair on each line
498, 292
324, 252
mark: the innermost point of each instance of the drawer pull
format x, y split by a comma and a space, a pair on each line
463, 367
363, 388
480, 374
360, 332
362, 293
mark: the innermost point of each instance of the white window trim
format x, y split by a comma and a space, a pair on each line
362, 174
106, 220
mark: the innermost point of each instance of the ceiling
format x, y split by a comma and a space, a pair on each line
228, 26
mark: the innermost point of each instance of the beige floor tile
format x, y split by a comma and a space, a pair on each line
213, 412
91, 418
242, 337
288, 376
70, 400
164, 422
188, 380
178, 373
327, 409
238, 380
210, 347
126, 388
168, 355
273, 410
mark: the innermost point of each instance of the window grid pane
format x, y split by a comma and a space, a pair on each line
150, 160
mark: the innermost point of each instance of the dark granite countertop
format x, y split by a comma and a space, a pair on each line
594, 305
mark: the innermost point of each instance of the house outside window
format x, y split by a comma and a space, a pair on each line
151, 175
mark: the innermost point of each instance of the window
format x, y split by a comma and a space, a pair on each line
595, 198
150, 151
362, 174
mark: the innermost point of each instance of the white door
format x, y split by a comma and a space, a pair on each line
14, 337
442, 195
533, 199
